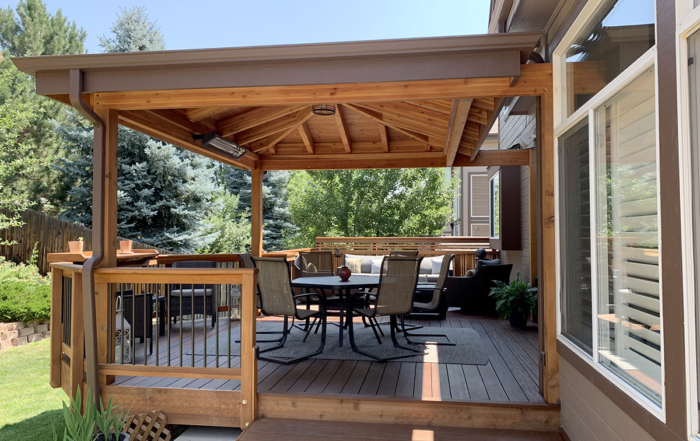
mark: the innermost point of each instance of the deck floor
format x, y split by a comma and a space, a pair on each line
268, 429
510, 376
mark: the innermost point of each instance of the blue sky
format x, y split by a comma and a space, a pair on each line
191, 24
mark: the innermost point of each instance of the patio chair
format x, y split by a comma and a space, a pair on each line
277, 298
471, 293
400, 253
436, 305
316, 263
186, 299
397, 284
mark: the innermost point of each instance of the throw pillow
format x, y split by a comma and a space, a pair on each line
437, 264
377, 266
354, 265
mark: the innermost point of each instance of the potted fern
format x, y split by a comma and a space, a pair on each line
515, 300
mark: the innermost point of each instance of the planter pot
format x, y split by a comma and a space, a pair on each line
75, 247
518, 320
122, 437
125, 246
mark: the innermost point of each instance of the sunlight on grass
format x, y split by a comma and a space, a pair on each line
29, 405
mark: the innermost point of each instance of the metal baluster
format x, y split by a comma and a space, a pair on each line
169, 315
205, 326
180, 285
192, 321
144, 339
158, 321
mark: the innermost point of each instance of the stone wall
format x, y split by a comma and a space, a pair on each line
18, 334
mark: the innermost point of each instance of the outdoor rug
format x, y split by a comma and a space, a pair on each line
468, 349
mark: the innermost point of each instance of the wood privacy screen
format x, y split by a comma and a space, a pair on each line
463, 247
50, 234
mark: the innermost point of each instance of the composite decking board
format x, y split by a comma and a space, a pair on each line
458, 384
337, 383
510, 351
390, 377
309, 376
475, 384
318, 385
357, 378
405, 383
504, 375
526, 383
373, 378
268, 429
292, 376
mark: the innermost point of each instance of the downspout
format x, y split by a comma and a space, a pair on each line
98, 234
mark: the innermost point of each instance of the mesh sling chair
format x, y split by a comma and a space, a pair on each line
187, 299
277, 298
394, 297
316, 263
436, 305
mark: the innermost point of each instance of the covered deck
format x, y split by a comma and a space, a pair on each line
397, 104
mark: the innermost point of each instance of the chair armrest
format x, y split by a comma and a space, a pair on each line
321, 299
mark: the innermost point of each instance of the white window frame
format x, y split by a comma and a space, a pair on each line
687, 26
562, 123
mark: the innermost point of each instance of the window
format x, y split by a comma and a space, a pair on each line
608, 226
629, 322
575, 237
495, 206
614, 38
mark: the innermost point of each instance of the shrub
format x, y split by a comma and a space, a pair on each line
24, 302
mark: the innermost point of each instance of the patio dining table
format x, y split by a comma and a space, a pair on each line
334, 284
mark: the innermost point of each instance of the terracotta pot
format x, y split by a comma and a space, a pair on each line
125, 246
344, 273
75, 247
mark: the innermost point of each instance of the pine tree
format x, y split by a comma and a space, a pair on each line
277, 220
32, 31
165, 193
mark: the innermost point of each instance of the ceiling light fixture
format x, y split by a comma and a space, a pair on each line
212, 141
323, 109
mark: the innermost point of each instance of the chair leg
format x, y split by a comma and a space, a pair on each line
351, 336
289, 329
298, 359
406, 334
282, 340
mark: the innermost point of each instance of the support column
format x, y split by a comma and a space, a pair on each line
548, 284
105, 352
256, 215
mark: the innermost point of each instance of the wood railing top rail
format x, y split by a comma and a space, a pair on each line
441, 239
68, 267
173, 275
168, 259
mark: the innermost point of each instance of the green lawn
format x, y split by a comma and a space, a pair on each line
29, 405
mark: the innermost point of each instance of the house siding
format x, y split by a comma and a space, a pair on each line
510, 130
587, 414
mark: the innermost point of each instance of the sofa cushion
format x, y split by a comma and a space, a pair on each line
480, 263
376, 266
366, 267
437, 265
354, 265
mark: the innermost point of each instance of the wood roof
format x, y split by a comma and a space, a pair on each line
407, 103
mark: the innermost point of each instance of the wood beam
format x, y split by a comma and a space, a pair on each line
384, 136
479, 116
263, 131
271, 141
353, 161
397, 122
253, 118
419, 115
256, 212
484, 103
200, 113
176, 135
535, 80
492, 116
305, 134
175, 117
383, 120
442, 106
489, 158
343, 128
458, 119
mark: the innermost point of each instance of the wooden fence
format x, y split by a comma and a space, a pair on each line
50, 234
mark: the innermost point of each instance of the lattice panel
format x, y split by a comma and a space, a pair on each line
148, 427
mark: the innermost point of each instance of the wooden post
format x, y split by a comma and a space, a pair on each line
249, 363
77, 337
532, 207
548, 285
56, 326
102, 294
256, 215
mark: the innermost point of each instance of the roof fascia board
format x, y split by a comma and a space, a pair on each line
435, 66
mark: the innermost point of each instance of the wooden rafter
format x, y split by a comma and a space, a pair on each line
305, 134
442, 106
165, 130
419, 115
458, 119
479, 116
386, 122
413, 125
384, 136
180, 120
254, 118
492, 115
343, 129
271, 141
484, 103
263, 131
198, 114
